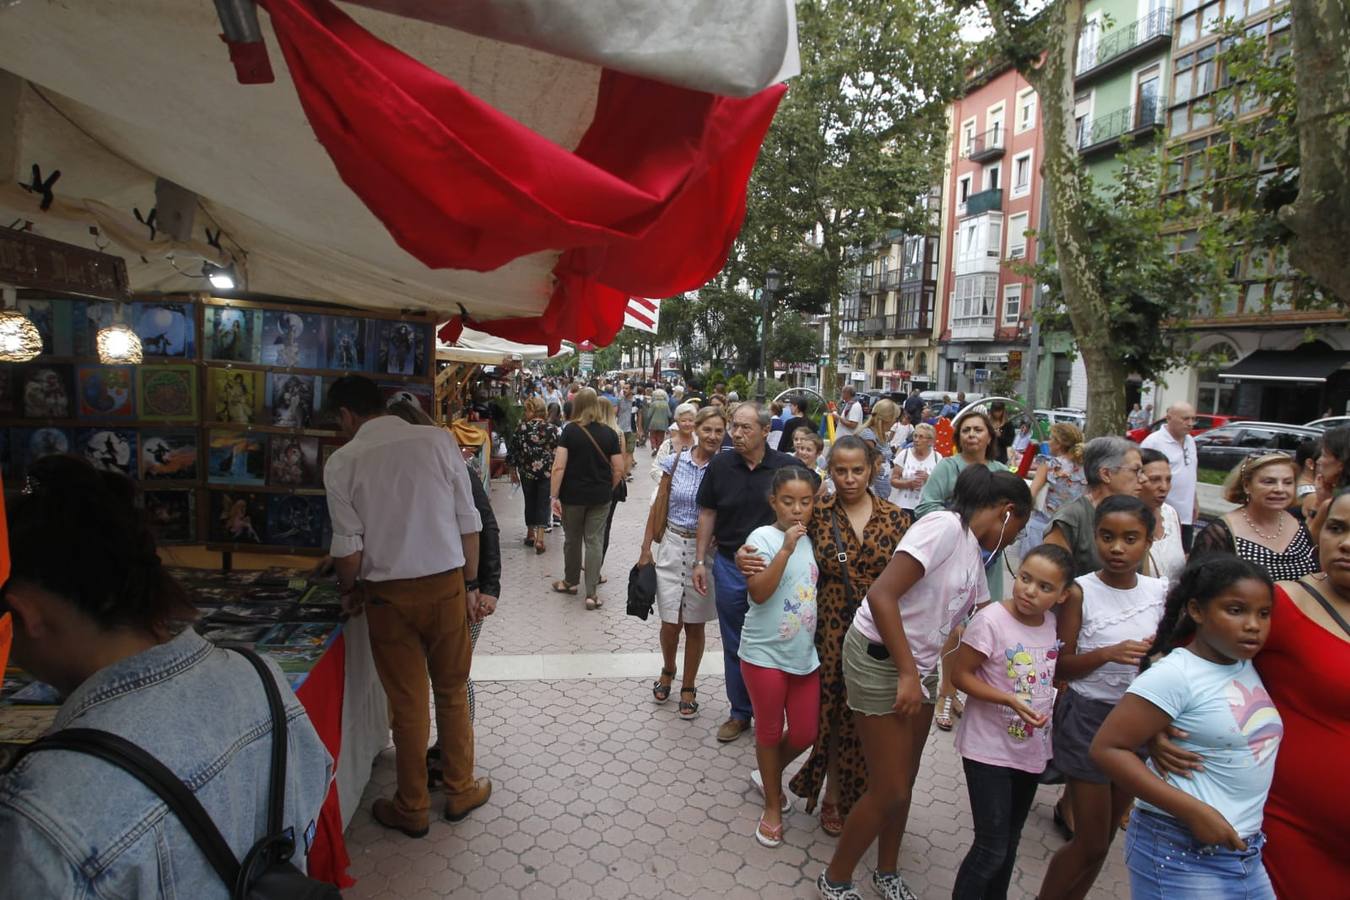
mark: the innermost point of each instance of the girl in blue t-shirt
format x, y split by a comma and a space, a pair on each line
1200, 836
778, 648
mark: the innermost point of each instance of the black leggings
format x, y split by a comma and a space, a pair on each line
1000, 799
536, 490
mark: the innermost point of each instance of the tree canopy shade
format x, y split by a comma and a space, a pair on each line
856, 146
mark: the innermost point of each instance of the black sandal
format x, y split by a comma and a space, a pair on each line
661, 692
688, 708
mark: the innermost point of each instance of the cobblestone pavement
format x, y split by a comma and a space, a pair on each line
598, 792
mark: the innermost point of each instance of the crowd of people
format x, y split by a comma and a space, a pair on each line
861, 583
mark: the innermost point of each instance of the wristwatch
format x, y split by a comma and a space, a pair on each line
701, 562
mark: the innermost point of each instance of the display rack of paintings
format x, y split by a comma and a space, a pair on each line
219, 425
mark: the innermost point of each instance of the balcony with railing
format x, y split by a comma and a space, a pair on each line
912, 321
973, 328
984, 201
987, 146
1121, 45
874, 326
891, 280
1103, 133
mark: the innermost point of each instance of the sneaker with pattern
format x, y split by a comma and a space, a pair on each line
890, 886
831, 891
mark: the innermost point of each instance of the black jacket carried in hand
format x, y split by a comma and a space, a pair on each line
489, 542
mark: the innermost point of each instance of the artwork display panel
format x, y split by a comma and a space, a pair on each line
238, 517
167, 329
169, 456
293, 462
230, 334
292, 400
290, 340
168, 393
236, 457
172, 515
109, 449
235, 396
106, 392
47, 391
346, 343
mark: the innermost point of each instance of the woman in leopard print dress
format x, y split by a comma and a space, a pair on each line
869, 529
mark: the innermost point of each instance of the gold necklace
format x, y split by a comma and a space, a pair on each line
1261, 534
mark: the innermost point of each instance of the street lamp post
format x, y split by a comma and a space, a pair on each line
772, 281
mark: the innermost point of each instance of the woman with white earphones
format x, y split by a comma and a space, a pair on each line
932, 582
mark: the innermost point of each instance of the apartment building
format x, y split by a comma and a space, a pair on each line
991, 197
1271, 361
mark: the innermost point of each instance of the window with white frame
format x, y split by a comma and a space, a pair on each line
1017, 237
991, 177
974, 298
1021, 174
1026, 110
993, 120
967, 137
994, 247
1012, 304
963, 188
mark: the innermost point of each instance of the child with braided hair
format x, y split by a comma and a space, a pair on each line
1200, 836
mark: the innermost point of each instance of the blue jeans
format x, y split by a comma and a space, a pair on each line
732, 602
1165, 862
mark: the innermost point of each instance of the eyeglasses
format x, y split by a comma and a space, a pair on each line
1137, 470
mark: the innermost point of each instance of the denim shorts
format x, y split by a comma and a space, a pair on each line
1166, 862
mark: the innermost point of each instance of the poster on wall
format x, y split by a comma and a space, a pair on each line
109, 449
48, 392
298, 520
172, 515
293, 461
292, 399
290, 340
234, 396
400, 348
231, 334
168, 393
236, 458
238, 517
166, 329
169, 456
106, 392
345, 342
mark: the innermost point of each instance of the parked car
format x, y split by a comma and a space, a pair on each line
1330, 423
1075, 417
1203, 422
1226, 446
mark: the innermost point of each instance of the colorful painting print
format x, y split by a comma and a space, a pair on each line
48, 392
238, 518
109, 449
234, 395
166, 329
290, 340
298, 634
87, 317
168, 393
344, 341
292, 399
401, 348
106, 392
28, 445
172, 515
293, 461
234, 458
416, 394
231, 334
41, 314
169, 455
297, 520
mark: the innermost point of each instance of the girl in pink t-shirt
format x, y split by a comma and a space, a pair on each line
1006, 666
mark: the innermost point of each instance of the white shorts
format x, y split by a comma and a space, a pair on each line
676, 599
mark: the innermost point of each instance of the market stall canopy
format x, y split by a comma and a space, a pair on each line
536, 168
478, 347
1309, 364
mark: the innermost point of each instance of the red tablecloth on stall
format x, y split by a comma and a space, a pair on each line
321, 694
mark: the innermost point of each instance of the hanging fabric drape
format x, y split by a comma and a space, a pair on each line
647, 205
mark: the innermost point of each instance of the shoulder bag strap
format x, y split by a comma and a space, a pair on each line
662, 502
1326, 604
842, 555
158, 778
276, 803
596, 444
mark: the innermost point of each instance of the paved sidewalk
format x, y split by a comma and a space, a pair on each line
598, 792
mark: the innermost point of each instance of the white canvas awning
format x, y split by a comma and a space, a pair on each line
121, 92
477, 347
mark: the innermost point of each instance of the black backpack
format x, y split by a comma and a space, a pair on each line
266, 872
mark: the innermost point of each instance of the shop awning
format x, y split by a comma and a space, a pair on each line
532, 163
477, 347
1287, 365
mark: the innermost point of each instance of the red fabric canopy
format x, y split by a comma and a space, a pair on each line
647, 205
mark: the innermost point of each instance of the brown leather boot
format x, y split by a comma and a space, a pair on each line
458, 807
387, 814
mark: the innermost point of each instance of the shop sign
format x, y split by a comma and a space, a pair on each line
858, 376
981, 374
588, 362
30, 261
958, 368
987, 357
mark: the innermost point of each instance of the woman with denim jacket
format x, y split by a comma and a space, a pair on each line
93, 616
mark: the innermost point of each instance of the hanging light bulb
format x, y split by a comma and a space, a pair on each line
221, 277
20, 340
118, 345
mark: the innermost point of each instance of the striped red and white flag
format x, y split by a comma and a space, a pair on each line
642, 314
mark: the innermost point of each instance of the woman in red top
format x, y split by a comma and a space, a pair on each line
1306, 668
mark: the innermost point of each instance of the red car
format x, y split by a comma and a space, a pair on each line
1203, 422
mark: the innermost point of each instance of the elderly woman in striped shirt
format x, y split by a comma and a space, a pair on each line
677, 603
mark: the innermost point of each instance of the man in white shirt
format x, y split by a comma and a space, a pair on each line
850, 413
405, 547
1174, 440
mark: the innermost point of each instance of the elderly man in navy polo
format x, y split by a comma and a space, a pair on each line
733, 501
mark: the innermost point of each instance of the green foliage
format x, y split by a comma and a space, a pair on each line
1149, 290
715, 377
793, 341
740, 386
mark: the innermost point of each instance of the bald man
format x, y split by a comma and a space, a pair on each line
1174, 440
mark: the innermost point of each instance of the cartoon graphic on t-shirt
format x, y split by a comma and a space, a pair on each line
1029, 672
800, 612
1256, 718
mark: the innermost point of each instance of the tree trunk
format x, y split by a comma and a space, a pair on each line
828, 379
1320, 216
1061, 170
